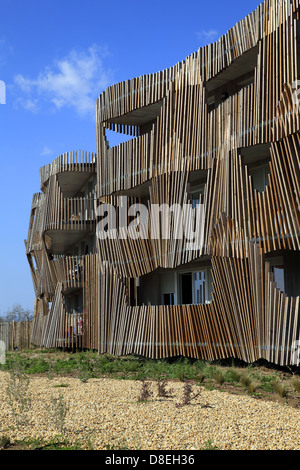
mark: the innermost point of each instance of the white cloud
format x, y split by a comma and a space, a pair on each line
207, 36
46, 151
28, 103
73, 81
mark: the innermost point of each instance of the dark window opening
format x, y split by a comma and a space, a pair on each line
186, 289
193, 288
257, 159
169, 299
285, 269
196, 187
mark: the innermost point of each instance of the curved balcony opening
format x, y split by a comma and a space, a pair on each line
239, 74
133, 124
186, 285
77, 184
76, 166
63, 241
284, 265
114, 138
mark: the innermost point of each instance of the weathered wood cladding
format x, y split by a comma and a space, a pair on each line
221, 119
58, 274
70, 161
57, 327
249, 317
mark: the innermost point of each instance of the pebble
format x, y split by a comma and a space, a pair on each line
106, 414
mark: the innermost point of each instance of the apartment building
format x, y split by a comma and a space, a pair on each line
184, 239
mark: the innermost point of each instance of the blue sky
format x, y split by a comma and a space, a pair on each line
56, 57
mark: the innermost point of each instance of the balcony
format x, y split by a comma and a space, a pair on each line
138, 98
68, 222
73, 171
69, 270
126, 166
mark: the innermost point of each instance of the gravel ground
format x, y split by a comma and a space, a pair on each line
104, 412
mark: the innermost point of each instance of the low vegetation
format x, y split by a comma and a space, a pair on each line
261, 381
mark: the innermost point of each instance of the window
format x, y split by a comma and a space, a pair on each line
260, 177
199, 281
193, 288
174, 287
169, 299
279, 277
257, 159
195, 195
285, 269
196, 187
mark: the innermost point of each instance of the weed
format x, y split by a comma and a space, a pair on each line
245, 380
181, 376
233, 376
248, 383
4, 442
296, 384
31, 443
200, 378
89, 442
281, 389
51, 372
56, 443
267, 383
188, 396
209, 446
252, 387
59, 411
121, 445
218, 376
84, 376
18, 396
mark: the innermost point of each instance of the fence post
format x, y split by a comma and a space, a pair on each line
13, 336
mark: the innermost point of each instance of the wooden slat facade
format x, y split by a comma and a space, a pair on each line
224, 120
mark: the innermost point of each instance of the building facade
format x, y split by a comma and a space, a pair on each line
185, 239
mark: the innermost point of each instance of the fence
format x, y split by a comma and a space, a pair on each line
15, 334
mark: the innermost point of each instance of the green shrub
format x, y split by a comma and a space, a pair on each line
4, 442
58, 411
266, 383
218, 376
233, 376
248, 383
296, 384
281, 389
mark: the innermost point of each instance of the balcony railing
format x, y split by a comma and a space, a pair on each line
71, 214
70, 161
69, 270
127, 165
